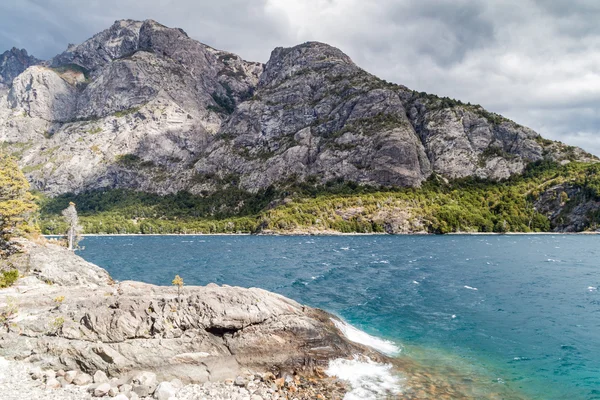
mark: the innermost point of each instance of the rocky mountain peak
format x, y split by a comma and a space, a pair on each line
307, 57
12, 63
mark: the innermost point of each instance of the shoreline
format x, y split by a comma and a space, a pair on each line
340, 234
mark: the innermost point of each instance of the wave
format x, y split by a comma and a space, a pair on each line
358, 336
470, 288
368, 379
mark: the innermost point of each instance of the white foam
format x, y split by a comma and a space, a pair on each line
470, 288
592, 288
368, 379
358, 336
415, 282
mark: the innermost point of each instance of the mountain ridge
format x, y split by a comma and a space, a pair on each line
182, 108
143, 107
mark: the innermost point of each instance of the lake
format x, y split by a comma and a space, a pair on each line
514, 316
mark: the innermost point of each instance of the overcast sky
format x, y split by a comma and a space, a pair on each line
534, 61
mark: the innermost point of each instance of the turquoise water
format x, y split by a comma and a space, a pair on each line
476, 316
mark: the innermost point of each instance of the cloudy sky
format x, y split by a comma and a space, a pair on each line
534, 61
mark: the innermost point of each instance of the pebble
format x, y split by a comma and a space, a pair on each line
16, 383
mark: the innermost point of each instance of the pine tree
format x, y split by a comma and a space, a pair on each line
16, 205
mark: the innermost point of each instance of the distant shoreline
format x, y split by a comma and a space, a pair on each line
340, 234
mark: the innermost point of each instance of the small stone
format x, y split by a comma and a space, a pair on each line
63, 382
143, 390
113, 391
256, 397
165, 391
144, 378
60, 372
125, 388
92, 387
102, 389
70, 375
240, 381
36, 373
120, 397
82, 379
100, 377
53, 383
49, 374
133, 396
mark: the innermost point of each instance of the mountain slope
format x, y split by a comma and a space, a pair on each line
141, 110
145, 107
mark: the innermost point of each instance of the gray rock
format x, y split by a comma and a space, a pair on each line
102, 389
125, 388
100, 377
82, 379
49, 374
165, 391
240, 381
36, 373
53, 383
143, 390
125, 327
70, 376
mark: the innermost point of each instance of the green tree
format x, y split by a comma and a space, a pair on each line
16, 205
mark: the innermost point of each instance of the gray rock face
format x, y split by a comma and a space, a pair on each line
12, 63
203, 334
143, 106
568, 208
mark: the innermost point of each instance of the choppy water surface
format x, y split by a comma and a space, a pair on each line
501, 317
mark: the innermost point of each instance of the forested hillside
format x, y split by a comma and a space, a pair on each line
547, 197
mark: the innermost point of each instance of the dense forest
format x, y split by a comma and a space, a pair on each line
438, 206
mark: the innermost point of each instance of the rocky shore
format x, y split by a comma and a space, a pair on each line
69, 331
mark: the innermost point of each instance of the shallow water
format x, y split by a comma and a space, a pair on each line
475, 316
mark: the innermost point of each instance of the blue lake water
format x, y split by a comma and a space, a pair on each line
490, 316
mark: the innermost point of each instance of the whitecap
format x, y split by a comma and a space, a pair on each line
470, 288
368, 379
358, 336
344, 248
592, 288
415, 282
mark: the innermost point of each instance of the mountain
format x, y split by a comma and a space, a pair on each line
144, 107
12, 63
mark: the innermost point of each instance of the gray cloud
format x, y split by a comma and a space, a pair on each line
535, 61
